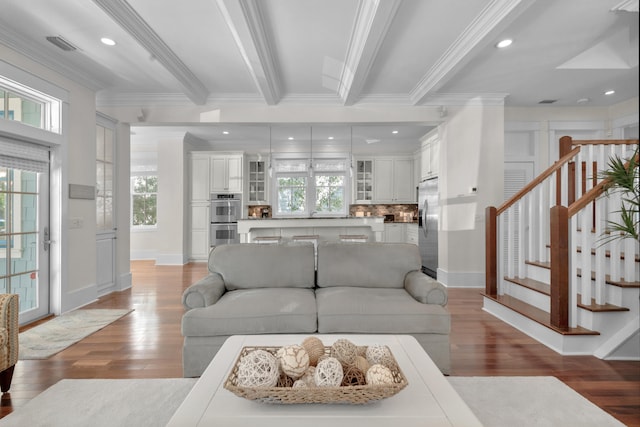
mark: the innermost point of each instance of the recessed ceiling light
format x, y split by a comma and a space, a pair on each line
330, 137
394, 131
583, 100
610, 92
504, 43
108, 41
225, 132
290, 138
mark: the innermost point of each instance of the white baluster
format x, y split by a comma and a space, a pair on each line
532, 221
585, 256
543, 225
630, 266
564, 180
521, 238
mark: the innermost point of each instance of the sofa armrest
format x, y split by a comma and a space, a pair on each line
204, 292
425, 289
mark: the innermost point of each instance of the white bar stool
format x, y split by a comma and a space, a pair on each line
354, 238
268, 240
313, 238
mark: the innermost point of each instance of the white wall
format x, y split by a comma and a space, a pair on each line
471, 155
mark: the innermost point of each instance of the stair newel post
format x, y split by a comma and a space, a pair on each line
491, 251
559, 222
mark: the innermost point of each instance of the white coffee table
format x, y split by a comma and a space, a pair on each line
427, 400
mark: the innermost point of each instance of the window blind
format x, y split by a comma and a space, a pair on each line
23, 155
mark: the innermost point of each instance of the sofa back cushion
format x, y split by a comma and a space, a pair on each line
252, 265
370, 265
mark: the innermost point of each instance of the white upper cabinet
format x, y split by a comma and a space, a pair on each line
257, 182
226, 173
430, 160
393, 180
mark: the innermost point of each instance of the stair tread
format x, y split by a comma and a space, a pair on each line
545, 289
543, 264
619, 283
537, 315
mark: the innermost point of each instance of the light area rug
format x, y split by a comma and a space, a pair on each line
55, 335
496, 401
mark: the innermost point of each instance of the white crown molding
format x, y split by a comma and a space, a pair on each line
627, 6
245, 21
37, 53
491, 20
465, 99
373, 20
125, 16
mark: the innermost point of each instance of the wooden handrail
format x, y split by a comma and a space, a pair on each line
604, 141
544, 175
594, 193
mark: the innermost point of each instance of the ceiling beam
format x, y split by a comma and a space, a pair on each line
245, 21
125, 16
493, 19
373, 20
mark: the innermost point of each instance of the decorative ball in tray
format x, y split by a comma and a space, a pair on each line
311, 372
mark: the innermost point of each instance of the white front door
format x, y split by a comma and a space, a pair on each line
24, 240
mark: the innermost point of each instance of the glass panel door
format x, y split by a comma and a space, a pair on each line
24, 240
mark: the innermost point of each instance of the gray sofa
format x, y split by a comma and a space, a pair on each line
359, 288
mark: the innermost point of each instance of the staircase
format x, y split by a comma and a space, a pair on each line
536, 261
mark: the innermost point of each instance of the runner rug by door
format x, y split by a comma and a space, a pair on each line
55, 335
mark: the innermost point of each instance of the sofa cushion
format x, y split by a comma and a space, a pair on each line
371, 265
254, 311
252, 265
371, 310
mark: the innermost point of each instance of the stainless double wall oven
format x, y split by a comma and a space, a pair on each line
225, 212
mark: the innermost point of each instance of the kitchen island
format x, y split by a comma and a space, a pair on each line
326, 229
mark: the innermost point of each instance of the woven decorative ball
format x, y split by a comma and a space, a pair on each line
362, 350
258, 368
379, 374
315, 349
345, 351
328, 373
379, 354
300, 384
294, 360
353, 376
361, 363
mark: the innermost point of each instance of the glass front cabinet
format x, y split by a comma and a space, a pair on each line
364, 181
257, 181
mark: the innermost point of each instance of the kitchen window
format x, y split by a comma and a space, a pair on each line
302, 190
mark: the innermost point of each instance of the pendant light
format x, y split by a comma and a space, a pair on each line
351, 154
270, 155
310, 151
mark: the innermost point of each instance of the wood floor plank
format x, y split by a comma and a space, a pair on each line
147, 343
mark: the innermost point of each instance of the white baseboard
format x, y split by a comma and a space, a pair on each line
78, 298
143, 255
125, 281
461, 279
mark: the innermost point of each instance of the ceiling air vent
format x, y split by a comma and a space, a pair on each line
62, 43
547, 101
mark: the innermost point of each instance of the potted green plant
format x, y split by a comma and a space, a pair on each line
622, 176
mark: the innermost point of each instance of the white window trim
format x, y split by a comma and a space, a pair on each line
141, 228
310, 188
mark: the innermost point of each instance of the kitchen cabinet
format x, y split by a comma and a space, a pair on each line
199, 233
393, 180
226, 173
394, 233
411, 233
364, 181
430, 158
257, 182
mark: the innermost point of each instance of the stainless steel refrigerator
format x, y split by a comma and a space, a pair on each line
428, 216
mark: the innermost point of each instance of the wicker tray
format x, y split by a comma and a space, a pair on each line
287, 395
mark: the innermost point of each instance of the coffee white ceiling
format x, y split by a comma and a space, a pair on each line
335, 52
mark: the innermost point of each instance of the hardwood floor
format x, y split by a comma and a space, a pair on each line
147, 344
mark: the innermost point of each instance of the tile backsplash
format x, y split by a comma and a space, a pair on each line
403, 212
